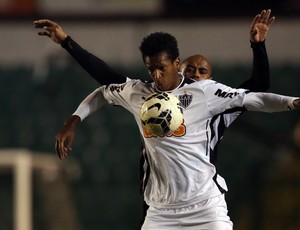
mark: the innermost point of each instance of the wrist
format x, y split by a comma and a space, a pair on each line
296, 103
257, 44
64, 42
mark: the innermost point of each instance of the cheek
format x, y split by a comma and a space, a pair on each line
204, 77
151, 77
187, 74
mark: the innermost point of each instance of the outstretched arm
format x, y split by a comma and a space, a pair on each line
96, 67
65, 138
270, 102
260, 78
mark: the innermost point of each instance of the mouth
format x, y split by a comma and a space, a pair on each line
159, 86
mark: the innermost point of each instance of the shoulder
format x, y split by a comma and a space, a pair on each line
204, 84
130, 86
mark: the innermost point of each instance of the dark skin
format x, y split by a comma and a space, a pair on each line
163, 71
196, 67
258, 30
199, 68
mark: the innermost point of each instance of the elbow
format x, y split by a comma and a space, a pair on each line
262, 87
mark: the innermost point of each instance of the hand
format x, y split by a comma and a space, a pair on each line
260, 26
296, 103
64, 140
51, 29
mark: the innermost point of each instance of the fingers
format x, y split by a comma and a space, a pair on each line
60, 148
255, 21
270, 21
60, 151
260, 25
265, 14
41, 23
50, 29
44, 33
265, 17
46, 25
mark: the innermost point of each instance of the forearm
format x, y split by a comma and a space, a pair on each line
270, 102
72, 122
90, 104
260, 77
96, 67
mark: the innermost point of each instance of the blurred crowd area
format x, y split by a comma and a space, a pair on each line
259, 155
104, 9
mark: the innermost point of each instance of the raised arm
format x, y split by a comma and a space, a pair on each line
260, 78
96, 67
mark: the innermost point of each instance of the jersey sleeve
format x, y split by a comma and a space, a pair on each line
260, 77
96, 67
122, 94
90, 104
220, 97
268, 102
114, 94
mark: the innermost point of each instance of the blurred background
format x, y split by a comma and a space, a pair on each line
97, 187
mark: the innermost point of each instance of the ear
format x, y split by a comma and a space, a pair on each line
177, 63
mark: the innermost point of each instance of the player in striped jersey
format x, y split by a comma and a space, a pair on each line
104, 75
183, 189
198, 67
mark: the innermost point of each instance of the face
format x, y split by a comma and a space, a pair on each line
196, 67
163, 71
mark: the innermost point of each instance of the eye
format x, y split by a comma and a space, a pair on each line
161, 68
190, 69
203, 71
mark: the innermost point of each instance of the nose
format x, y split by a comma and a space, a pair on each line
197, 73
157, 74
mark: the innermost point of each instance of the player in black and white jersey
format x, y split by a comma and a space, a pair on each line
182, 190
104, 75
198, 67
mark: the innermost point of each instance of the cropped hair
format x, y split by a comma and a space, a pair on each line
158, 42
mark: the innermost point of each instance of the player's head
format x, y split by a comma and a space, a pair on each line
196, 67
160, 54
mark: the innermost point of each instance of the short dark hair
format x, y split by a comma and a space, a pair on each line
158, 42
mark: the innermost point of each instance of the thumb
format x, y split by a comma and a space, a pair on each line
254, 31
253, 34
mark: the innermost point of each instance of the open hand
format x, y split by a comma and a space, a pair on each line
50, 29
261, 25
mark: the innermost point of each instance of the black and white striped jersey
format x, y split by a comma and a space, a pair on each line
181, 168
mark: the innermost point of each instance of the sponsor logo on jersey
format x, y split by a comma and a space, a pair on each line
185, 99
223, 94
117, 88
181, 131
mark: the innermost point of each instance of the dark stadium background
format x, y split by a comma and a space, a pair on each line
259, 155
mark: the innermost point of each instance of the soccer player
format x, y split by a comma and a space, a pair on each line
196, 67
183, 189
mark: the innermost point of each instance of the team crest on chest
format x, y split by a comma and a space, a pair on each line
185, 99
